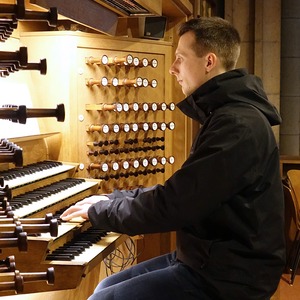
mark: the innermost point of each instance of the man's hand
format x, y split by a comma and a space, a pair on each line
80, 209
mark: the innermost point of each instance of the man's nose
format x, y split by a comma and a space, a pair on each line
172, 70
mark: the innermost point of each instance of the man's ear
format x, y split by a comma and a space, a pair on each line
211, 61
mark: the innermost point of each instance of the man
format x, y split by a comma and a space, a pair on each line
226, 201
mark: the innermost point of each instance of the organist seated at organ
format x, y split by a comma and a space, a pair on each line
226, 201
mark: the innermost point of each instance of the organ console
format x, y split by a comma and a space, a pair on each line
73, 247
13, 234
118, 133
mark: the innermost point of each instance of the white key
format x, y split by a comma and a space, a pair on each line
55, 198
12, 183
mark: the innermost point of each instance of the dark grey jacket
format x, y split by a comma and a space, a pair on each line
226, 201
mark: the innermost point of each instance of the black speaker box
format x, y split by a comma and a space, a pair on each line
152, 27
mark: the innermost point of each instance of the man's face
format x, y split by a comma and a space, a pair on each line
188, 68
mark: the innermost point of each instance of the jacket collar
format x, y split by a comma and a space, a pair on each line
235, 86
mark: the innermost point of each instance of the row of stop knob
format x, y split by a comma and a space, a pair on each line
132, 162
136, 173
114, 81
126, 127
135, 106
126, 141
125, 150
127, 60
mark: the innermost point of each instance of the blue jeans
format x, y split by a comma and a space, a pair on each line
161, 278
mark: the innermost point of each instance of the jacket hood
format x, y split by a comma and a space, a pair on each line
230, 87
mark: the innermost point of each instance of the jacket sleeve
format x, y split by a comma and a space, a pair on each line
215, 171
128, 193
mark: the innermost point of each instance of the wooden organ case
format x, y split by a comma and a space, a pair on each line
120, 130
111, 104
111, 123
